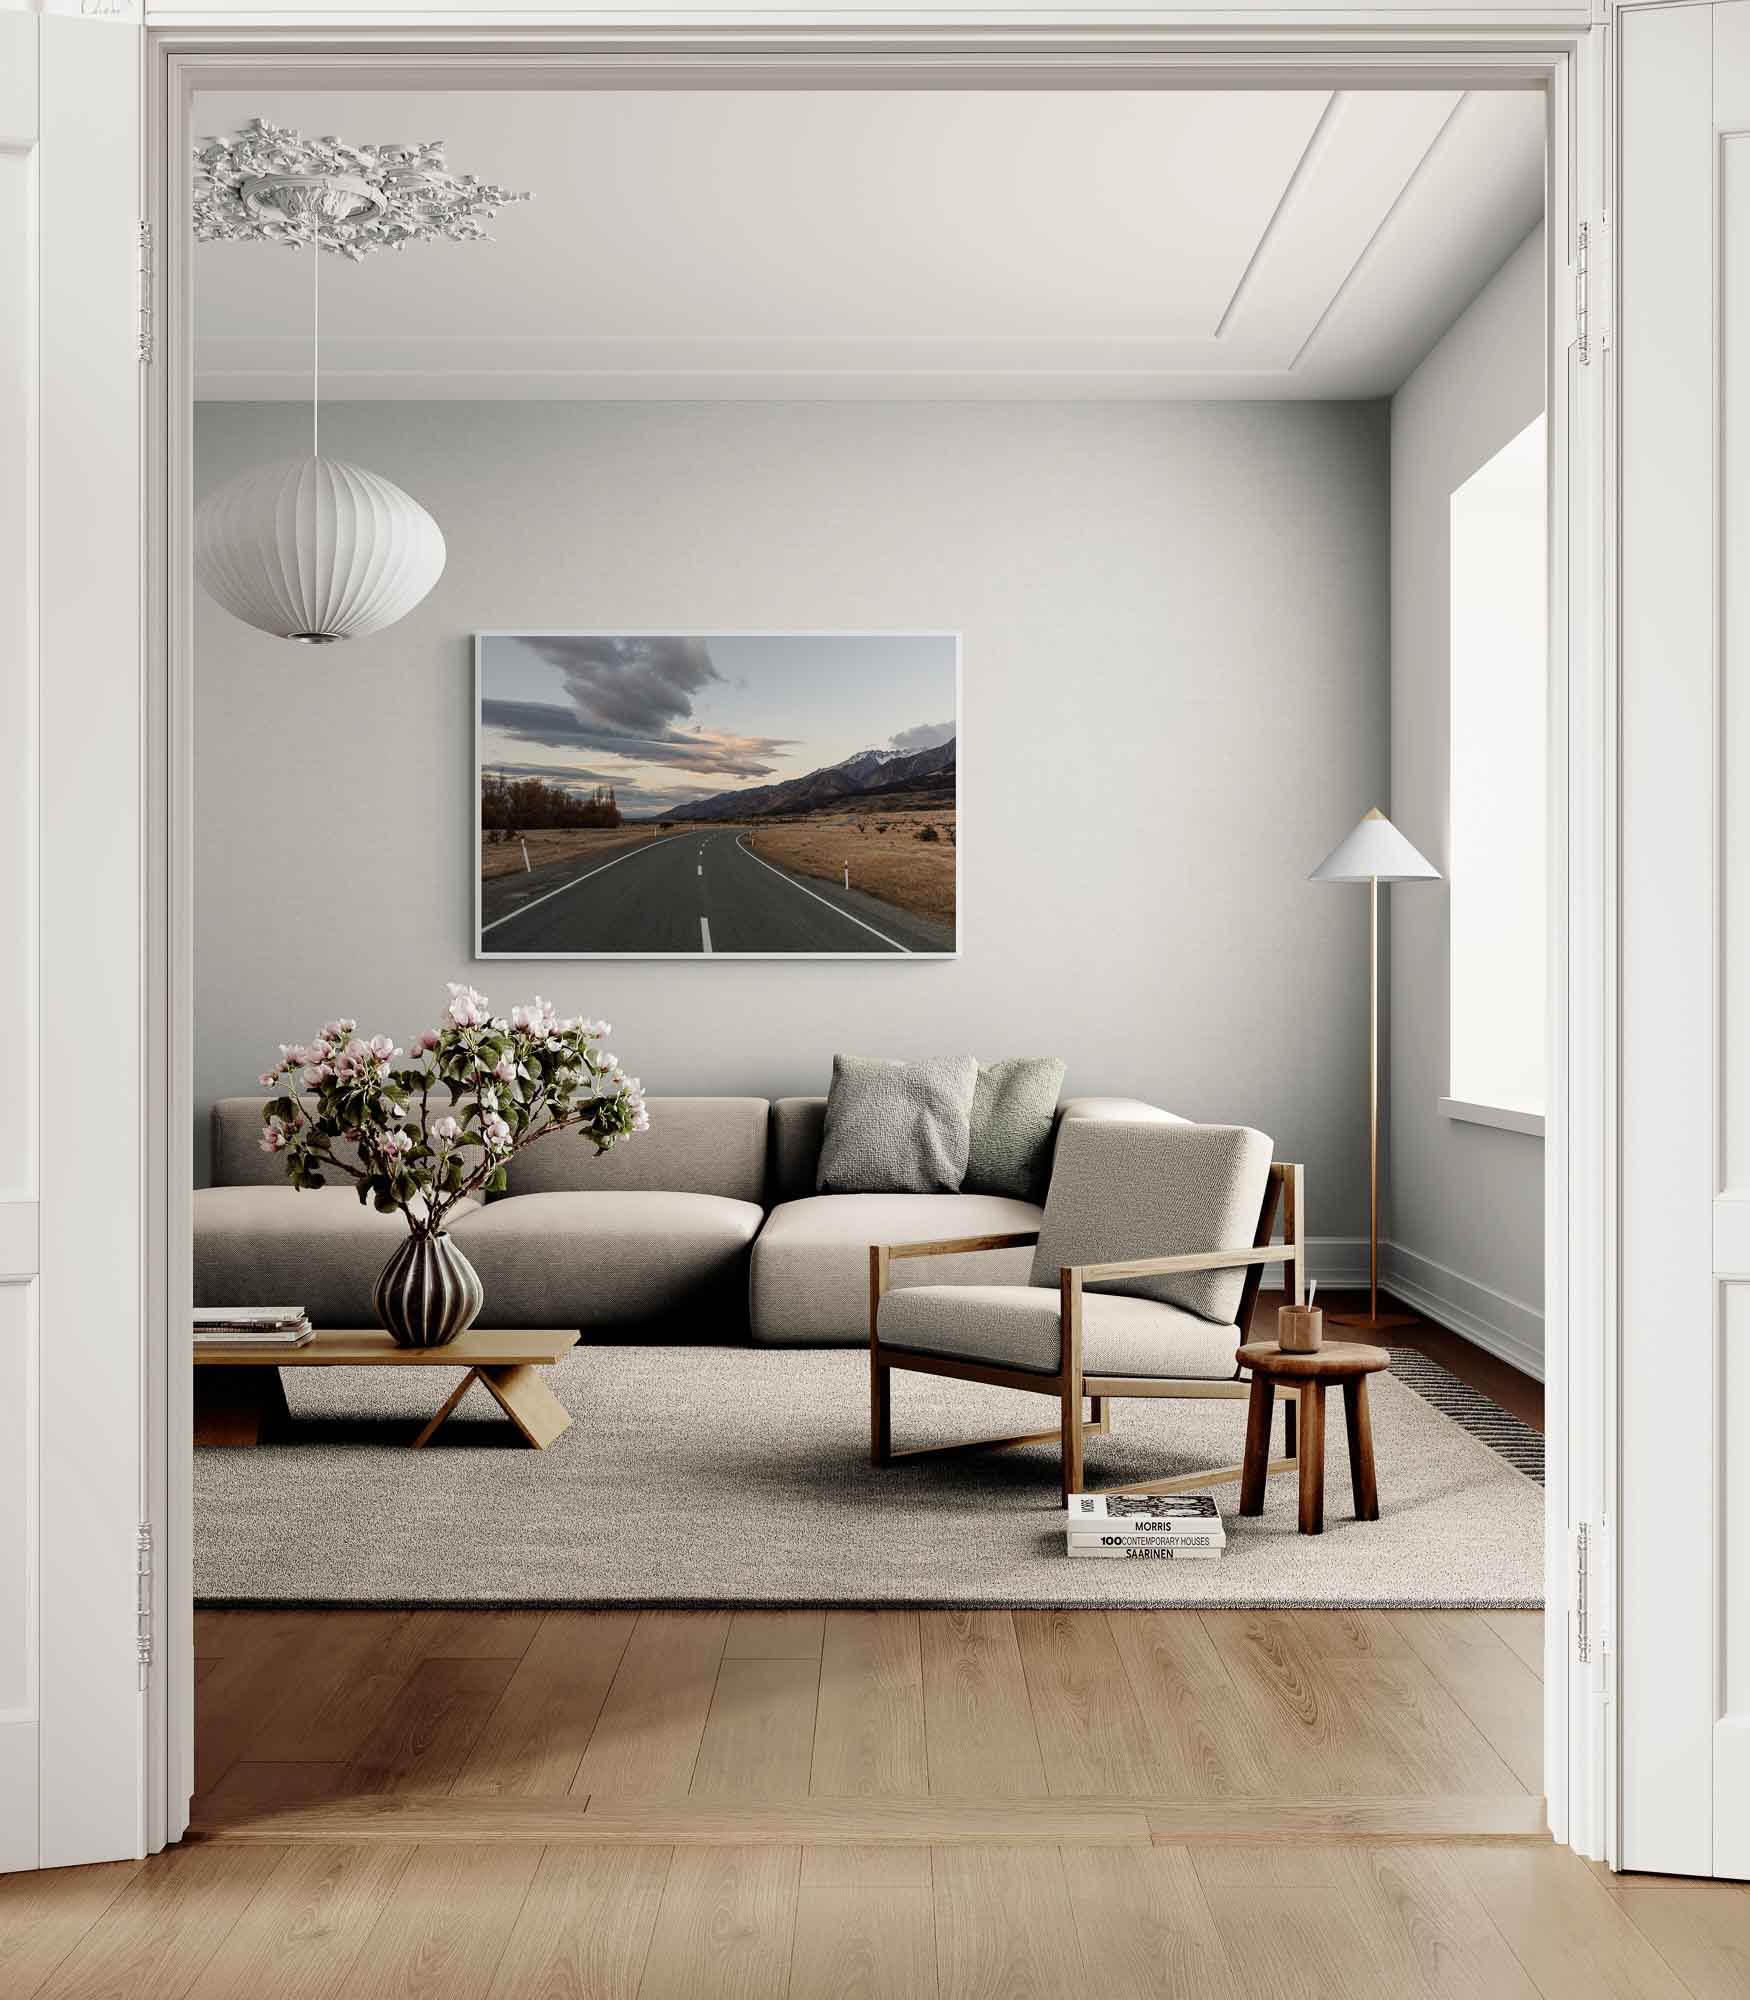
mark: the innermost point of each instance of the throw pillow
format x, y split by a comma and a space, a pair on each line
897, 1127
1013, 1110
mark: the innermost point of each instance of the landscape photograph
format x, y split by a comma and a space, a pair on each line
756, 795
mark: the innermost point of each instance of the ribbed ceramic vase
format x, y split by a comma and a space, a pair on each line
427, 1293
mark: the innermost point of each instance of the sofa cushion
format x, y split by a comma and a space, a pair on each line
1126, 1190
1016, 1326
810, 1280
615, 1258
695, 1145
267, 1246
897, 1127
1013, 1111
797, 1126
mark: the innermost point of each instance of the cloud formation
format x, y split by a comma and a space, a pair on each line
925, 736
713, 752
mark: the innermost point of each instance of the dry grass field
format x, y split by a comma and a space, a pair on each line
559, 844
886, 857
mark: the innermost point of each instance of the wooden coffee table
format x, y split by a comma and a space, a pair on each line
238, 1395
1346, 1362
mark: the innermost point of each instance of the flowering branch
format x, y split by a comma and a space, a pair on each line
505, 1084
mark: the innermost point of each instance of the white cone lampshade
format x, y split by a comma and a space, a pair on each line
1374, 852
316, 549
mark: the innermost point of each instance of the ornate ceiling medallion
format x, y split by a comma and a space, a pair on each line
269, 184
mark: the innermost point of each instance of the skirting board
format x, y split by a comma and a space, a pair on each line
1338, 1262
1501, 1326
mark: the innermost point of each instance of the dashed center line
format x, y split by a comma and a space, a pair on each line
705, 933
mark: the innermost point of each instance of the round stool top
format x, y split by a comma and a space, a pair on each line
1332, 1362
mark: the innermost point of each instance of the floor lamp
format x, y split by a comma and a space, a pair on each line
1374, 853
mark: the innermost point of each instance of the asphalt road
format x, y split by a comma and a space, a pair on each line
701, 892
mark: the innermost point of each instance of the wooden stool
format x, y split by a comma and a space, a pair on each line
1343, 1361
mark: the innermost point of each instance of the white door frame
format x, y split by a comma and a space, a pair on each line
1567, 62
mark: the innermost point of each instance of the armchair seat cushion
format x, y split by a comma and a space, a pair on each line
811, 1264
1016, 1326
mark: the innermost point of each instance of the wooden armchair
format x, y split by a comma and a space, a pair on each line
1114, 1325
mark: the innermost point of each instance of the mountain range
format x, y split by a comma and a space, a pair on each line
866, 773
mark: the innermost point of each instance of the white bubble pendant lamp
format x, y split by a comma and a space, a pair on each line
316, 549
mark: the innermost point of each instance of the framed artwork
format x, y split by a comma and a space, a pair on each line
717, 795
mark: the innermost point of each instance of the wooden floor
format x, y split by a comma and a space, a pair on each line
929, 1806
946, 1805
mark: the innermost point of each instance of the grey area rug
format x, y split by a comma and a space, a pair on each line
737, 1476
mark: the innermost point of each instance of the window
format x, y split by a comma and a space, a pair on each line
1498, 941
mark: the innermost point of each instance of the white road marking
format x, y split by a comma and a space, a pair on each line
536, 901
794, 884
705, 933
701, 864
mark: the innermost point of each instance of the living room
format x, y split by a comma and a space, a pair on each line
661, 1563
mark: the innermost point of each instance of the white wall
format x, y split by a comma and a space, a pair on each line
1174, 656
1465, 1218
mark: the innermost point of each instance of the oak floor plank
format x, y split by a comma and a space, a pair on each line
1487, 1678
1353, 1634
775, 1635
535, 1738
445, 1923
1283, 1698
1564, 1926
1402, 1730
1204, 1744
424, 1740
1093, 1737
1145, 1927
978, 1718
261, 1667
646, 1739
1004, 1926
1700, 1929
1427, 1922
585, 1925
1294, 1925
155, 1938
869, 1725
865, 1925
344, 1691
300, 1936
1523, 1631
277, 1784
725, 1925
759, 1733
44, 1914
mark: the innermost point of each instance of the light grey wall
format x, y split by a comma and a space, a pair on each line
1173, 626
1466, 1201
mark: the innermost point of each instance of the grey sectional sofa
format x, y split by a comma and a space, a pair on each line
705, 1227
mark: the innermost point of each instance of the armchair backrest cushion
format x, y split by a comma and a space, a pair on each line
1122, 1189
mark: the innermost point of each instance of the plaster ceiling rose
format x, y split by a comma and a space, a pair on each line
269, 184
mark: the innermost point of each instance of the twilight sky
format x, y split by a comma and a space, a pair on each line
665, 720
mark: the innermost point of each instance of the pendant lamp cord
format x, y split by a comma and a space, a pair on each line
315, 337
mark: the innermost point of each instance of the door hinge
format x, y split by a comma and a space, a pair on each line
144, 329
143, 1602
1580, 1592
1582, 303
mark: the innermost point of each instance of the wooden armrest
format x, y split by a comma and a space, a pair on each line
1192, 1260
959, 1246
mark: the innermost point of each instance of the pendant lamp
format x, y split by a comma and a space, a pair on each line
317, 549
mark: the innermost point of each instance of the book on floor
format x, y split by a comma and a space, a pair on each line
1129, 1548
1180, 1519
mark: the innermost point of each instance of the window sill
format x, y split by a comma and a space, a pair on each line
1530, 1123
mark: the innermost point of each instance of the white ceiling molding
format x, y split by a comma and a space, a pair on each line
1007, 245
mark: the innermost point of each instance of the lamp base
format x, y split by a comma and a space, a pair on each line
1374, 1322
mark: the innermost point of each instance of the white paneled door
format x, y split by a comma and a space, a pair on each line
1683, 166
74, 1680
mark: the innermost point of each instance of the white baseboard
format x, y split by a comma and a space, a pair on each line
1501, 1326
1339, 1262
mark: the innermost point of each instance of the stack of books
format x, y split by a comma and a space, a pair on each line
1152, 1527
251, 1326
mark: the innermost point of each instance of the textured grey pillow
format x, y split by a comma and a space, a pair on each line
1012, 1114
897, 1127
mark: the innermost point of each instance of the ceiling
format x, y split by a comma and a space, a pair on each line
1108, 244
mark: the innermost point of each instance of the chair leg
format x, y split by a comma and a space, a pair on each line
1099, 1416
1072, 1441
880, 1412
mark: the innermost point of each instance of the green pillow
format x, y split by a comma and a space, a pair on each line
1013, 1110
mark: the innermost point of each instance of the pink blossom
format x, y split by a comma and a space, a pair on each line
446, 1129
505, 1068
383, 1048
429, 1038
274, 1135
497, 1132
468, 1009
268, 1078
